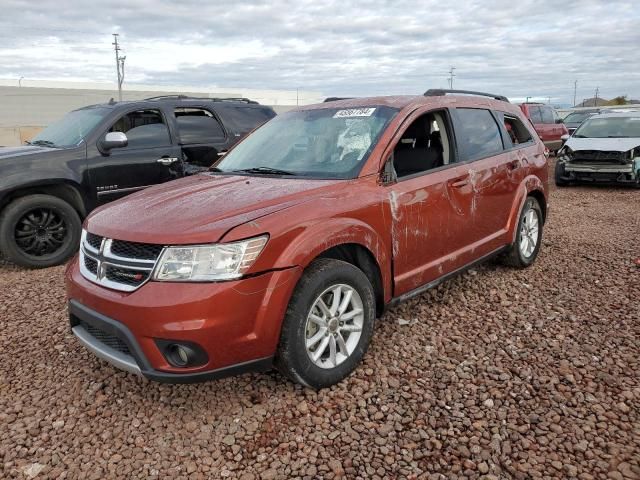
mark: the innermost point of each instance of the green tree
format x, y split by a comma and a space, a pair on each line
621, 100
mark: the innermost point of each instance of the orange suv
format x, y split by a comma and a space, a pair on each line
294, 242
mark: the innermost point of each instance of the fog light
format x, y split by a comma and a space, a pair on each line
179, 354
182, 354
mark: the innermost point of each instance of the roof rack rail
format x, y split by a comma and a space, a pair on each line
211, 99
439, 92
160, 97
335, 99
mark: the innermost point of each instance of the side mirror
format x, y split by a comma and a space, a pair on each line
559, 120
113, 140
565, 137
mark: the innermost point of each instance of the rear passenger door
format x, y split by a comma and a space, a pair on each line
490, 183
201, 135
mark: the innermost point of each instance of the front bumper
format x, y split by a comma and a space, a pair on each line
600, 172
236, 323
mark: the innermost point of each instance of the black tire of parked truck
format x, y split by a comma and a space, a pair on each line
330, 316
38, 231
559, 174
524, 251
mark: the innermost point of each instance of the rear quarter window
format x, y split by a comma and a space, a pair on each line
245, 119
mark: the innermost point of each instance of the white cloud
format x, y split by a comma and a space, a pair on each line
357, 48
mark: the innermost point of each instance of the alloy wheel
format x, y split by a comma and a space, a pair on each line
529, 232
334, 326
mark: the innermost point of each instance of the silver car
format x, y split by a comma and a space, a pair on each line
605, 148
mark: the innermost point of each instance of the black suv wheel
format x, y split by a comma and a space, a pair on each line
39, 231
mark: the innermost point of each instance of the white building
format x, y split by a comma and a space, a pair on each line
27, 106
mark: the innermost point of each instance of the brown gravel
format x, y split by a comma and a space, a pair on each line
496, 374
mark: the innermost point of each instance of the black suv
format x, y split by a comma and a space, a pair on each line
102, 152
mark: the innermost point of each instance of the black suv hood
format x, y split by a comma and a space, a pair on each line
9, 152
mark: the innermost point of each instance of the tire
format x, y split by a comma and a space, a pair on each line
39, 231
319, 281
520, 254
559, 173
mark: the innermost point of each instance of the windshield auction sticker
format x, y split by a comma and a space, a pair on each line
354, 112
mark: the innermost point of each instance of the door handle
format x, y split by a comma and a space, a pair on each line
167, 160
458, 182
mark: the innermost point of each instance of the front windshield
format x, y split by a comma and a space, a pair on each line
71, 129
610, 127
326, 143
577, 117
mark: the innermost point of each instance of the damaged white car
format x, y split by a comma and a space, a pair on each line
605, 148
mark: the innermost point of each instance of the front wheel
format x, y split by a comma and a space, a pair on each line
39, 231
524, 250
328, 324
559, 175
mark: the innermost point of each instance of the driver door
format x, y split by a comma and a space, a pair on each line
149, 158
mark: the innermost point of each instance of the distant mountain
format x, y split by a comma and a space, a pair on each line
603, 102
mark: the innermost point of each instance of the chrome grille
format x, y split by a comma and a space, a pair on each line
117, 264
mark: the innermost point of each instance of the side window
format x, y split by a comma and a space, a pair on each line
424, 145
247, 118
144, 129
198, 125
535, 115
547, 115
516, 130
478, 135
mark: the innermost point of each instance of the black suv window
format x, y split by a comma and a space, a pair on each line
478, 134
247, 118
198, 125
144, 129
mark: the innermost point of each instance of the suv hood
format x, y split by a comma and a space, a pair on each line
603, 144
199, 209
10, 152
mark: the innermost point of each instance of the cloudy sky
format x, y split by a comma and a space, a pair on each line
373, 47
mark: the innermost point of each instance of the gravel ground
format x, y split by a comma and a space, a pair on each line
496, 374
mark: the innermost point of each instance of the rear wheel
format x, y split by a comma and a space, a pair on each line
39, 231
328, 324
524, 250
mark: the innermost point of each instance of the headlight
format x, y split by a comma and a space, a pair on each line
202, 263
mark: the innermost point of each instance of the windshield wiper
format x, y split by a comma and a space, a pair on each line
267, 170
579, 136
42, 143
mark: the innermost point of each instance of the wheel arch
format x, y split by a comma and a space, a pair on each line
361, 257
64, 190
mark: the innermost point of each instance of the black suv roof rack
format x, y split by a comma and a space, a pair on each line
212, 99
439, 92
335, 99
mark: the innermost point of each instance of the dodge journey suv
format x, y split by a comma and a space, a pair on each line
286, 251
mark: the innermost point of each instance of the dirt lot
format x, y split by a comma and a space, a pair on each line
496, 374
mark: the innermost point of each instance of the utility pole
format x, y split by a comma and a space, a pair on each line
575, 89
451, 75
595, 101
119, 65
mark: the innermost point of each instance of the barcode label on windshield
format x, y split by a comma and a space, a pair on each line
354, 112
